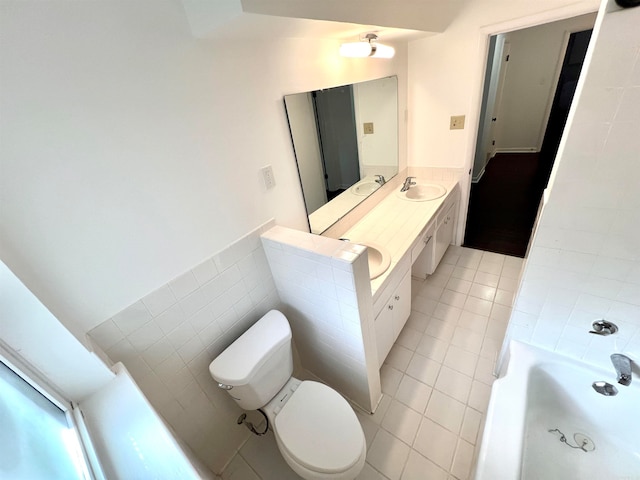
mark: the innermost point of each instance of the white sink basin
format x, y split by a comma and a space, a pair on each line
423, 192
379, 258
365, 188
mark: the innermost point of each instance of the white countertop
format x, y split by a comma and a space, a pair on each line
326, 215
395, 224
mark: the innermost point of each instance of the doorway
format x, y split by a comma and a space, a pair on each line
523, 115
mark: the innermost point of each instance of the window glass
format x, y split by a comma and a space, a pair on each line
36, 438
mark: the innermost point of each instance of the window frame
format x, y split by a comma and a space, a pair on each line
71, 410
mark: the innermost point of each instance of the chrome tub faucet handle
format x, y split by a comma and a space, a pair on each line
622, 364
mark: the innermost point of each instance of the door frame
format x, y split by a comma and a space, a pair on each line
484, 34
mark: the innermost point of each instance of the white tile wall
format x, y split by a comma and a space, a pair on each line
325, 289
585, 258
436, 174
168, 338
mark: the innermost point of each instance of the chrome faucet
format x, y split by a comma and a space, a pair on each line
380, 179
407, 184
622, 364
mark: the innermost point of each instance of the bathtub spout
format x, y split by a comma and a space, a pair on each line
622, 364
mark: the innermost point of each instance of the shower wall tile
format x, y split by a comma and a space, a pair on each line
168, 339
584, 263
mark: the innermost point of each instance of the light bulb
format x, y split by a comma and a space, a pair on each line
383, 51
355, 49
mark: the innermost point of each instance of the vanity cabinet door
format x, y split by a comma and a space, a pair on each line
444, 234
390, 321
401, 305
384, 332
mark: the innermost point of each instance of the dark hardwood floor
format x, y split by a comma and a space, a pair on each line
504, 203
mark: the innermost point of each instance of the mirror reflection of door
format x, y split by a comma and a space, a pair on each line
337, 135
359, 148
523, 115
303, 127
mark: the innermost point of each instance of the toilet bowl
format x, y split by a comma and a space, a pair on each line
316, 430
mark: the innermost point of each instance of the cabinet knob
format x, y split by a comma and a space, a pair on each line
390, 307
397, 297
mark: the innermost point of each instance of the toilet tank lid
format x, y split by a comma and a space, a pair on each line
240, 360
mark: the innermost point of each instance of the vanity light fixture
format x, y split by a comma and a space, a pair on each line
367, 47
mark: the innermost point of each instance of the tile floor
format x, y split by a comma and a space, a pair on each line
435, 382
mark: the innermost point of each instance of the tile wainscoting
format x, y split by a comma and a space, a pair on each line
168, 338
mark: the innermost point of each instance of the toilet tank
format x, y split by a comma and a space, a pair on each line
256, 366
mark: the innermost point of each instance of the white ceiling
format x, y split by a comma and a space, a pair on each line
423, 15
341, 19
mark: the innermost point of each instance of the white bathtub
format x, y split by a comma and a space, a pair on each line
542, 391
131, 440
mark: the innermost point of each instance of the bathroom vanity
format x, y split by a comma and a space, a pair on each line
346, 311
416, 233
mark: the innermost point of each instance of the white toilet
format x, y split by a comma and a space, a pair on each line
316, 429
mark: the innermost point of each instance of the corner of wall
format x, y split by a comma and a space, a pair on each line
324, 287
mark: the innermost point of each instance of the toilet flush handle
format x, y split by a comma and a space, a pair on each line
225, 387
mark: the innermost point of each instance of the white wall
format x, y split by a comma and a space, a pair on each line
131, 151
30, 331
584, 262
446, 73
377, 102
535, 56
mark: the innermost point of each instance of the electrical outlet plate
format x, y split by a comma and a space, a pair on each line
457, 122
267, 176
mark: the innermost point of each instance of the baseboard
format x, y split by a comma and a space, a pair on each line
518, 150
479, 176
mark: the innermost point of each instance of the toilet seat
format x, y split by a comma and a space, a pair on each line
319, 430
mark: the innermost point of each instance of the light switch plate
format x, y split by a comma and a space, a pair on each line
267, 176
368, 128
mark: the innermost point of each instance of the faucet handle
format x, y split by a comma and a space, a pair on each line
622, 364
603, 327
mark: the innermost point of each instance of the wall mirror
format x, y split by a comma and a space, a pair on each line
345, 141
